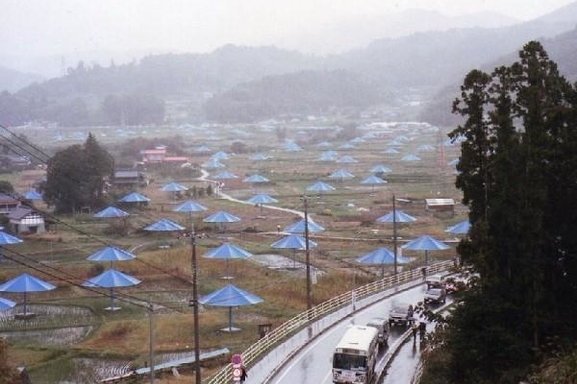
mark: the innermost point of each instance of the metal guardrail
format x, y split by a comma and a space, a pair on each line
283, 332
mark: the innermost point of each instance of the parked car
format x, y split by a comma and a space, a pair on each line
435, 281
401, 314
382, 326
435, 296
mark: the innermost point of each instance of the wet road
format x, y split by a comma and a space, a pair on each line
312, 364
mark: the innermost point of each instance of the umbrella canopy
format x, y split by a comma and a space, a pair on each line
111, 253
6, 304
220, 155
164, 225
225, 175
213, 164
262, 198
347, 146
221, 217
397, 216
461, 228
229, 296
189, 206
327, 156
341, 174
372, 180
259, 157
227, 251
6, 239
134, 197
174, 187
111, 279
320, 186
380, 169
391, 151
425, 148
381, 256
110, 212
425, 243
410, 157
299, 227
292, 241
32, 194
256, 179
26, 283
292, 147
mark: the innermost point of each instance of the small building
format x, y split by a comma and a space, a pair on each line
440, 205
153, 156
129, 179
27, 220
8, 204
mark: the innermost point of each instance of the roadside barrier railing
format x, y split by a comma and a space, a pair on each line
302, 328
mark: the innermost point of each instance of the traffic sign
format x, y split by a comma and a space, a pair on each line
236, 361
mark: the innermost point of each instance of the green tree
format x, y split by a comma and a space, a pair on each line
518, 177
76, 175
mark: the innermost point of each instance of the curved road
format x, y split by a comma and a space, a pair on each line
312, 364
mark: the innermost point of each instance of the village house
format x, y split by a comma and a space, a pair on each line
26, 220
8, 204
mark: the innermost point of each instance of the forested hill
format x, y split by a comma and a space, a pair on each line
561, 49
137, 93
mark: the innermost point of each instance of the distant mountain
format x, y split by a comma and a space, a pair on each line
353, 33
12, 80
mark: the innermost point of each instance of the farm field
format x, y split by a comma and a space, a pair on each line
74, 339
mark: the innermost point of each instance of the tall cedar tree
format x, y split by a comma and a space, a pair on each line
518, 174
76, 176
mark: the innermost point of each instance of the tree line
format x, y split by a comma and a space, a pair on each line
518, 174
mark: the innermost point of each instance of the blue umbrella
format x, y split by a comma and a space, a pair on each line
259, 157
111, 253
461, 228
32, 194
381, 256
221, 217
189, 206
256, 179
346, 146
347, 160
213, 164
225, 175
262, 198
229, 296
380, 169
410, 157
164, 225
6, 304
327, 156
320, 186
227, 251
341, 174
174, 187
6, 239
111, 279
25, 283
425, 243
372, 180
134, 197
292, 147
220, 155
398, 216
294, 242
391, 151
299, 227
110, 212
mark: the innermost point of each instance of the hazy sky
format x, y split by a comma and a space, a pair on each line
40, 27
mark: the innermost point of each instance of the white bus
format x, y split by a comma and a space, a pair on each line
355, 355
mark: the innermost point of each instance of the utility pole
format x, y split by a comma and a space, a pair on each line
194, 268
151, 341
395, 234
307, 253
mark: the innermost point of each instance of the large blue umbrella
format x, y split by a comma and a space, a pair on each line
110, 212
221, 218
111, 279
256, 179
6, 239
225, 175
227, 251
461, 228
372, 180
425, 243
262, 198
347, 160
320, 186
229, 296
134, 197
259, 157
112, 254
381, 256
397, 216
299, 227
213, 164
32, 194
220, 155
410, 157
164, 225
6, 304
380, 169
25, 283
327, 156
294, 242
174, 187
189, 207
341, 174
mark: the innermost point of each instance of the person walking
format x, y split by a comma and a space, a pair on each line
243, 374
